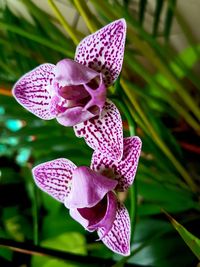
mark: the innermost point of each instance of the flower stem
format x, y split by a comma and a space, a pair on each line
158, 141
35, 215
63, 22
84, 11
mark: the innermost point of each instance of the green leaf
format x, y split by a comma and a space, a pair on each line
70, 242
157, 14
169, 18
156, 195
188, 58
192, 241
142, 9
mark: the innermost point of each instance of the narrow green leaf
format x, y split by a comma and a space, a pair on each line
142, 9
169, 18
157, 14
192, 241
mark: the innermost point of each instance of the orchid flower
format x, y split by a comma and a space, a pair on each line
74, 91
90, 194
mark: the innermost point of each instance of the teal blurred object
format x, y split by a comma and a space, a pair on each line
14, 125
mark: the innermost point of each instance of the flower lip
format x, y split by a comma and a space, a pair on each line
80, 91
101, 215
84, 181
107, 220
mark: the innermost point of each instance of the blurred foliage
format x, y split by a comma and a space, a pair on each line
158, 95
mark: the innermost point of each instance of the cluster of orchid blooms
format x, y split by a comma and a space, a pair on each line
74, 92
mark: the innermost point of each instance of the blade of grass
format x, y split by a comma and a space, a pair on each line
157, 14
63, 22
169, 18
87, 16
192, 241
142, 9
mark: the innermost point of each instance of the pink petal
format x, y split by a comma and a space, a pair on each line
103, 51
118, 238
104, 133
73, 116
77, 217
123, 171
107, 220
88, 188
70, 72
54, 177
32, 91
101, 215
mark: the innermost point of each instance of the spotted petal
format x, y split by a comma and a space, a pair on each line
54, 177
104, 133
118, 238
123, 171
31, 91
103, 51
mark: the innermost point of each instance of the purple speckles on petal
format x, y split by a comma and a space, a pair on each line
124, 170
118, 238
32, 91
54, 177
104, 133
103, 51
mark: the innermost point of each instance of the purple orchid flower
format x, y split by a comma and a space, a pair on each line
74, 92
90, 193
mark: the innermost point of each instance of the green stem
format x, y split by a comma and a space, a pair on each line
35, 215
63, 22
133, 207
84, 11
158, 141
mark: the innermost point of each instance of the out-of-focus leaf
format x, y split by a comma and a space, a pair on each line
169, 18
157, 14
58, 223
5, 253
142, 9
70, 242
192, 241
161, 253
156, 195
189, 59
